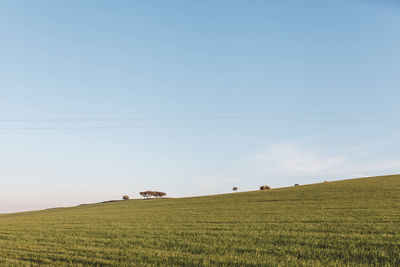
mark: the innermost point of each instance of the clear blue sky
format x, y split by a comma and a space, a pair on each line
262, 92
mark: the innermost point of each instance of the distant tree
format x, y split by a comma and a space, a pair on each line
125, 197
149, 194
235, 188
296, 184
265, 187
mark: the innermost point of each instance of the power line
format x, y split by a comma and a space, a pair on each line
150, 118
190, 125
178, 118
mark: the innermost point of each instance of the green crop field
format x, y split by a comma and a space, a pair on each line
351, 222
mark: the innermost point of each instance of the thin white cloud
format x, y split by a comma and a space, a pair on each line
291, 158
287, 163
297, 159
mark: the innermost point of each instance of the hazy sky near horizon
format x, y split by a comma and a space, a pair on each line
193, 97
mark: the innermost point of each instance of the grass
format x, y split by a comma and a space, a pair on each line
351, 222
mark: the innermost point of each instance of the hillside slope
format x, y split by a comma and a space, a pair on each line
352, 222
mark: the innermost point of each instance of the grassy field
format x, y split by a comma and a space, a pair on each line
352, 222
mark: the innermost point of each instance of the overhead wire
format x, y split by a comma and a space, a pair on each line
186, 125
217, 121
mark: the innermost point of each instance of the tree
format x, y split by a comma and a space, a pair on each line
235, 188
149, 194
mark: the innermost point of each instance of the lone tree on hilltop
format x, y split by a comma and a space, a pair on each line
235, 188
265, 187
149, 194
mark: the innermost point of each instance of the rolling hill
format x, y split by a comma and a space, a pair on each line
349, 222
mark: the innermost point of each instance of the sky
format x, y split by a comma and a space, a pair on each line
99, 99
